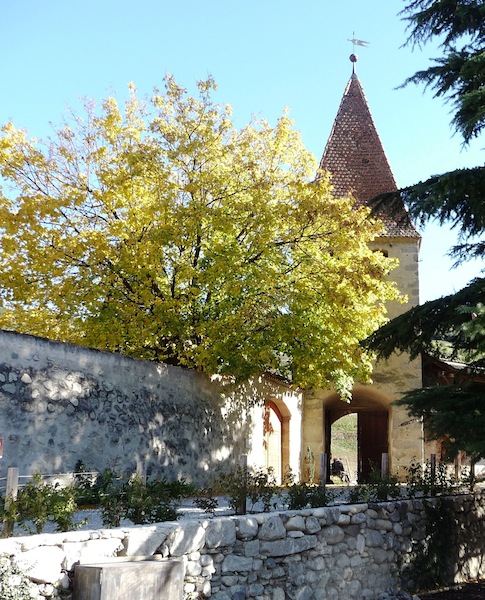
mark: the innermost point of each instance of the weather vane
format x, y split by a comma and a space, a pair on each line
355, 42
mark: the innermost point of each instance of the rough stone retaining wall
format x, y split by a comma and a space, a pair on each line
60, 403
332, 553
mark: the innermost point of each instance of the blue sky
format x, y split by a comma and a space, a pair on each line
264, 55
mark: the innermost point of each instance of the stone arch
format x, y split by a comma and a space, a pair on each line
276, 437
374, 414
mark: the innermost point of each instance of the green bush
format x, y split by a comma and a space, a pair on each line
140, 502
359, 493
206, 500
262, 488
255, 485
150, 502
121, 497
428, 482
177, 489
383, 487
85, 485
38, 503
303, 495
109, 489
297, 496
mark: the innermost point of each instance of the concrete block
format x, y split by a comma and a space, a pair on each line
136, 580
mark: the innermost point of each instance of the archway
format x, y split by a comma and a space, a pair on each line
373, 416
276, 438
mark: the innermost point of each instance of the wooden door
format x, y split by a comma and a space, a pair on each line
372, 441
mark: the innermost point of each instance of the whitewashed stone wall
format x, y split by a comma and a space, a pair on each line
60, 403
348, 551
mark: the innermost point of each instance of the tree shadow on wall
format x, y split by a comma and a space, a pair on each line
108, 410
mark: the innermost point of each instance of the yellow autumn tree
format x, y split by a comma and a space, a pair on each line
161, 231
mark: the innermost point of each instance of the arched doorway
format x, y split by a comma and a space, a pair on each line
276, 438
373, 410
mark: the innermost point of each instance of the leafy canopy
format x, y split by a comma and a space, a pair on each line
163, 232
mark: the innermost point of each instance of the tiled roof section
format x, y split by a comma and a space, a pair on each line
356, 160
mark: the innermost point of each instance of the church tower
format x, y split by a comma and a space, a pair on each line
355, 158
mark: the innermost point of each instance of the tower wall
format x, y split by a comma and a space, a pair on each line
391, 378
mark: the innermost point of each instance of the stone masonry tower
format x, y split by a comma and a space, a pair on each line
355, 158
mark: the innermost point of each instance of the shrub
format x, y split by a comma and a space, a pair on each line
257, 485
383, 487
108, 489
38, 503
262, 488
85, 485
206, 500
180, 488
302, 495
149, 502
359, 493
428, 482
297, 496
140, 502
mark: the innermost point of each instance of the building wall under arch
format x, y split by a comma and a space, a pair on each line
288, 404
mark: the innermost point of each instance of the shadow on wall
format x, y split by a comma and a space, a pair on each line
61, 403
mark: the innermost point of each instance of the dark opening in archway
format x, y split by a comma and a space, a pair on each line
371, 412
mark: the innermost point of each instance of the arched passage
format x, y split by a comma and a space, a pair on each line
373, 426
277, 437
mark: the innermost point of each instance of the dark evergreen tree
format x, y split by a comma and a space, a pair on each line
455, 412
456, 417
459, 75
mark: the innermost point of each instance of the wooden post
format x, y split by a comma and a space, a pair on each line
432, 466
384, 465
472, 472
10, 496
323, 469
458, 466
241, 509
141, 471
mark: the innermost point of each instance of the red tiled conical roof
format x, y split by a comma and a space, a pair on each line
356, 160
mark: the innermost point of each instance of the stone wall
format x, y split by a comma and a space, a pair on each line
348, 551
60, 403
